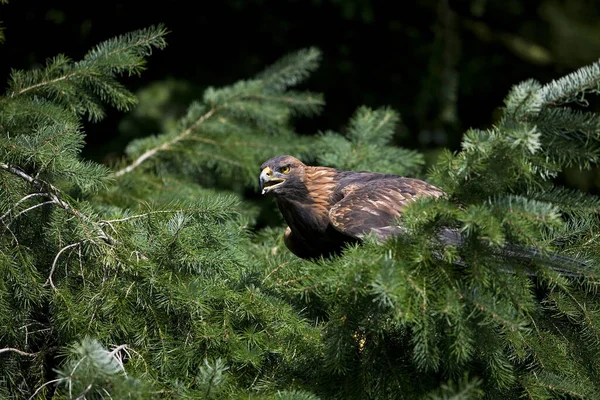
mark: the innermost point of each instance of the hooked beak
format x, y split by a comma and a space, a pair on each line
268, 182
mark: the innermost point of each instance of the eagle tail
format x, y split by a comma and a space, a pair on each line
565, 265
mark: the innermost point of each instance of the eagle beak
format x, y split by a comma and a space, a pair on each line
268, 182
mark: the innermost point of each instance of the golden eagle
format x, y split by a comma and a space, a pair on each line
326, 208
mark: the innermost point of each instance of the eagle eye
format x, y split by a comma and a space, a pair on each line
285, 170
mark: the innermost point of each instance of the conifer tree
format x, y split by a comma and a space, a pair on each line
147, 280
132, 284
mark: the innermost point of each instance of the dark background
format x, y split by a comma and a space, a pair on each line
444, 65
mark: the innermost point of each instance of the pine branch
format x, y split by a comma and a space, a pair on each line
29, 196
83, 86
44, 385
127, 51
570, 87
45, 203
403, 314
166, 145
306, 104
558, 120
291, 69
462, 390
48, 82
132, 217
262, 106
53, 193
570, 201
47, 189
366, 146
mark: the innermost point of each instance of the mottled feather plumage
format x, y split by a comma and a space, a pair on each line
371, 204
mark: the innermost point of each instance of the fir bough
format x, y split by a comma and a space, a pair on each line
151, 280
232, 129
141, 287
401, 317
366, 145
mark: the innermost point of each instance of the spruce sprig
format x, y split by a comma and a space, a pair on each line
215, 130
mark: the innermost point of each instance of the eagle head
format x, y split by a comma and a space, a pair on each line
281, 174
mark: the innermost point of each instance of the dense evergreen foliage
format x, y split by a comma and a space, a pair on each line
151, 279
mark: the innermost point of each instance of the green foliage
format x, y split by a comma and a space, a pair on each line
92, 371
155, 280
463, 389
366, 145
227, 134
418, 311
82, 86
153, 265
2, 38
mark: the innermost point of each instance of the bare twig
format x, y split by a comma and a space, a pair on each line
117, 349
49, 280
107, 393
49, 190
29, 196
19, 352
52, 192
140, 356
81, 266
109, 223
31, 208
27, 333
82, 395
138, 256
165, 146
11, 232
44, 385
115, 354
77, 365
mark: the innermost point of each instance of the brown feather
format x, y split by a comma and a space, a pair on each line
373, 206
320, 183
326, 208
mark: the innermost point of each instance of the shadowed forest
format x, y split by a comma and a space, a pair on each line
445, 66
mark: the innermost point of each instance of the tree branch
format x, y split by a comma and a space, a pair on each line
44, 385
29, 196
49, 280
109, 221
49, 190
165, 146
20, 352
52, 192
44, 83
82, 394
273, 271
32, 207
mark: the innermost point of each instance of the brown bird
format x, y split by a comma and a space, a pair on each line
326, 208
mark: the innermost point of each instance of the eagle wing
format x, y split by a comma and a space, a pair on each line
374, 205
